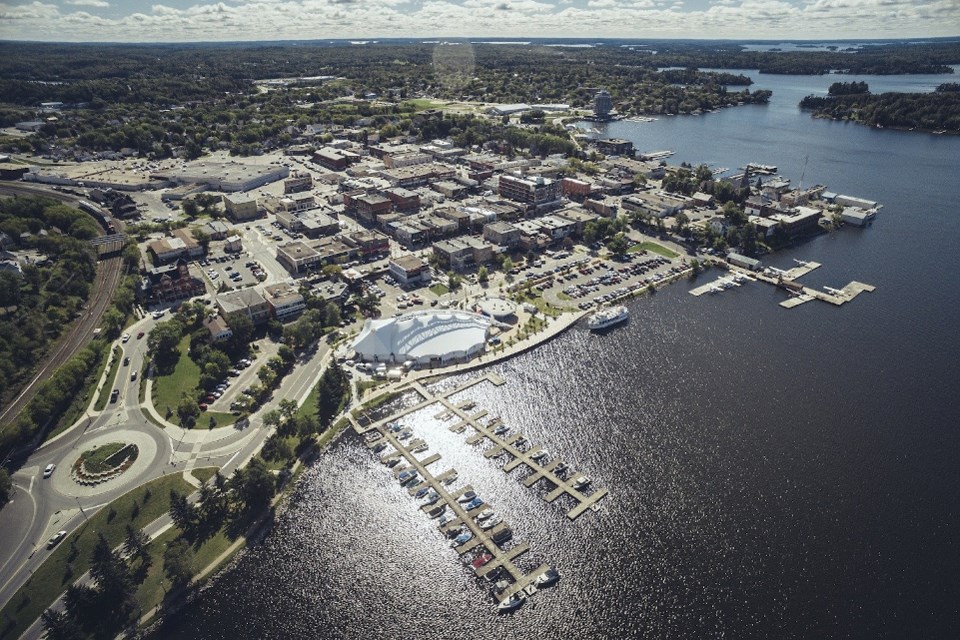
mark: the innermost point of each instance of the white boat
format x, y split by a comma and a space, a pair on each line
490, 523
510, 604
581, 482
486, 513
540, 455
547, 578
608, 317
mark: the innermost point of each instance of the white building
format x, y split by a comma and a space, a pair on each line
428, 338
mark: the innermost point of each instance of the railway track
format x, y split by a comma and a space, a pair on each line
108, 276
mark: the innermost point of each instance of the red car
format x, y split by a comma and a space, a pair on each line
203, 407
139, 335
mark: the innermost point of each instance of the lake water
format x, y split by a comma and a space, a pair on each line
772, 473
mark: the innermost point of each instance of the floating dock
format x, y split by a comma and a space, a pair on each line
787, 280
503, 559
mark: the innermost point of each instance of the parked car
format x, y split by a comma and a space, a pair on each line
125, 338
139, 335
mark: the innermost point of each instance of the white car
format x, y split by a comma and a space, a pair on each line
125, 338
49, 470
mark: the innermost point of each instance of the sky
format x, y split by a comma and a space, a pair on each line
232, 20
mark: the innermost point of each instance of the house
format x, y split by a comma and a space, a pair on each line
191, 247
218, 328
409, 270
216, 229
233, 244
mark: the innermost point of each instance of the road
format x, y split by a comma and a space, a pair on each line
40, 507
81, 332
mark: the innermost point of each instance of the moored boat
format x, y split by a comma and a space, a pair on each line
486, 513
437, 510
473, 504
547, 578
502, 536
608, 317
467, 496
490, 523
581, 482
481, 560
512, 603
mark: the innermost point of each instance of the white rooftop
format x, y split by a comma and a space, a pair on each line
423, 336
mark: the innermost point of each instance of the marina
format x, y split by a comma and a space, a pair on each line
474, 534
785, 279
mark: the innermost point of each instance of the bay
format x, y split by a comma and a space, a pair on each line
773, 473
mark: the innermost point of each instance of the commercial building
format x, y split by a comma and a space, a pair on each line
298, 181
240, 207
330, 159
229, 177
502, 234
297, 257
284, 300
615, 147
403, 199
461, 253
744, 261
218, 328
409, 270
537, 192
247, 302
170, 282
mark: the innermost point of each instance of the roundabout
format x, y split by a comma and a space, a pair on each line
104, 462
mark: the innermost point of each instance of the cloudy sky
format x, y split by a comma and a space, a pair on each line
203, 20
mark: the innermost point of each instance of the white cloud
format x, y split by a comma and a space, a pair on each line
373, 19
99, 4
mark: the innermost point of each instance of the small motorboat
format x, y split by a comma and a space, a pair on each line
373, 436
446, 518
422, 492
502, 536
405, 435
407, 476
432, 498
437, 510
540, 455
394, 426
547, 578
473, 504
481, 560
392, 462
490, 523
512, 603
463, 538
467, 496
449, 479
560, 468
501, 430
380, 446
420, 448
581, 482
486, 513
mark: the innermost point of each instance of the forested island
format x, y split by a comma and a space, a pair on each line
938, 111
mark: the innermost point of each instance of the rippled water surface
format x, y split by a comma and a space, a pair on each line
772, 473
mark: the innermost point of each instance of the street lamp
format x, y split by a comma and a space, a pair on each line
85, 518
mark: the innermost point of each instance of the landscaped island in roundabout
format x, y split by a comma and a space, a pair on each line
104, 462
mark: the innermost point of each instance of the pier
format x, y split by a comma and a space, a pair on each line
503, 559
784, 279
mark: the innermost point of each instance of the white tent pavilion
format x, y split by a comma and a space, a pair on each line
433, 338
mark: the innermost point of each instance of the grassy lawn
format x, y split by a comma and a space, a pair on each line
81, 400
373, 403
363, 386
562, 296
204, 473
167, 390
422, 103
111, 377
223, 419
95, 459
653, 247
51, 578
155, 586
439, 289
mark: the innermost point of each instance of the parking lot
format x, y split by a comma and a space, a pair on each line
237, 270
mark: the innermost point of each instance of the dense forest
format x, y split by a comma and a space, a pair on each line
37, 304
936, 111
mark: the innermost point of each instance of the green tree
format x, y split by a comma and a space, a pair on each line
618, 244
188, 409
181, 512
332, 394
164, 341
255, 486
6, 487
177, 561
483, 275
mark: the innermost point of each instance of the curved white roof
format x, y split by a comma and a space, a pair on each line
422, 336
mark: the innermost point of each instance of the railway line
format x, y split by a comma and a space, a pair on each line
109, 272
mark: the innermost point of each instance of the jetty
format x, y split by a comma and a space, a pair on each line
503, 560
